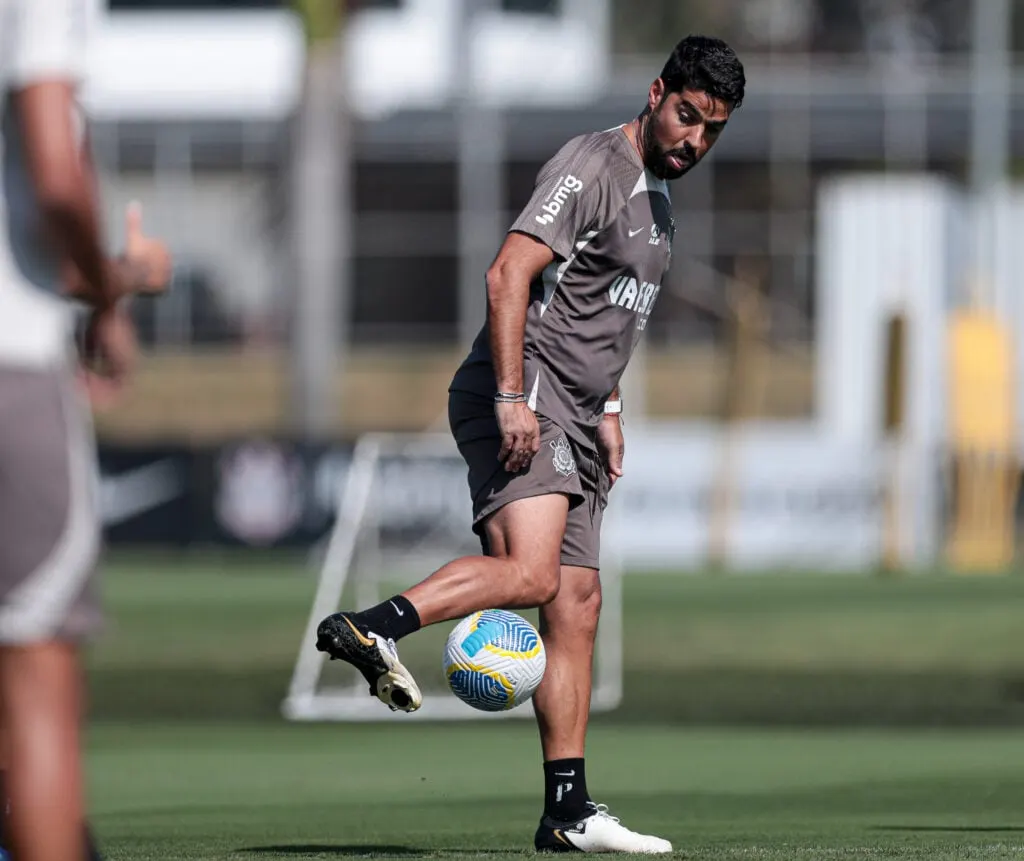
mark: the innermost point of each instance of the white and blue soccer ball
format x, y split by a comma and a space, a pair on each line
494, 660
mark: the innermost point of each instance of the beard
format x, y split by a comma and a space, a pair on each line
660, 160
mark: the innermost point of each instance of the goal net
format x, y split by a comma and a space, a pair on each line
403, 511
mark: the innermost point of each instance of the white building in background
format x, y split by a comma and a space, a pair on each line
406, 57
171, 83
234, 62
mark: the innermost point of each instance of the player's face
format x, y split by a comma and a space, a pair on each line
681, 128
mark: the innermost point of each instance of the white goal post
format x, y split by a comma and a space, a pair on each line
403, 511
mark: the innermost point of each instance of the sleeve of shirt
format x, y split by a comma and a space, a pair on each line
566, 200
49, 42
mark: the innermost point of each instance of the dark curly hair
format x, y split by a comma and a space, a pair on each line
708, 64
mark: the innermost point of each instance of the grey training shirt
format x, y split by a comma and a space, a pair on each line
609, 222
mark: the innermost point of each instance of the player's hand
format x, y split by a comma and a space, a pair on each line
611, 446
146, 262
109, 354
520, 435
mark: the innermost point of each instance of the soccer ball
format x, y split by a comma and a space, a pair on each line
494, 660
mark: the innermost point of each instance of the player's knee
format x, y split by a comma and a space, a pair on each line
587, 609
593, 602
548, 587
540, 583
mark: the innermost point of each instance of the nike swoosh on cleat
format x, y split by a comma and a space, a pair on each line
559, 836
366, 641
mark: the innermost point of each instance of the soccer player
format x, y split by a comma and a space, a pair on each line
535, 410
50, 243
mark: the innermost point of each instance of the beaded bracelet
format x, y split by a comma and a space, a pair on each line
509, 398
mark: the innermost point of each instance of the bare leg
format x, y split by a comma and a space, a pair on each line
562, 702
569, 627
41, 694
526, 538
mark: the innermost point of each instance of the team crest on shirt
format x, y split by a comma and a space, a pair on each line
565, 463
659, 235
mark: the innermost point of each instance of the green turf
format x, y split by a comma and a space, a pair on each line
218, 642
285, 792
189, 758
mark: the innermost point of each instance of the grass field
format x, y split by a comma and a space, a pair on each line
218, 642
256, 793
765, 718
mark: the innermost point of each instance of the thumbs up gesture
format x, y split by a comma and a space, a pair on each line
147, 260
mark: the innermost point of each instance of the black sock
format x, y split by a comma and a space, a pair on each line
395, 618
565, 789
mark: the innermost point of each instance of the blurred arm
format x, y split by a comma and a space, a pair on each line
76, 284
64, 188
144, 267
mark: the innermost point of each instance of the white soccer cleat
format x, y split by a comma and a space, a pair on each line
345, 639
396, 688
598, 831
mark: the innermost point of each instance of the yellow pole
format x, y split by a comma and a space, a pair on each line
981, 536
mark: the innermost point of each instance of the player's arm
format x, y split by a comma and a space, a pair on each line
67, 203
66, 199
144, 267
518, 264
145, 264
46, 67
564, 205
521, 259
610, 442
562, 208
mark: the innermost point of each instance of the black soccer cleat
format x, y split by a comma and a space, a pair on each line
343, 638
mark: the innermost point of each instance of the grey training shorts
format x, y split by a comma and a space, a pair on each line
560, 466
49, 527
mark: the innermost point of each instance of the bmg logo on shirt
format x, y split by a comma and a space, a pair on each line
554, 202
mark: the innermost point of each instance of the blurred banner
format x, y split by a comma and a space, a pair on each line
255, 493
147, 495
782, 498
767, 499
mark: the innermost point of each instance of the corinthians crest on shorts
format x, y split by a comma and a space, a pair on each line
565, 463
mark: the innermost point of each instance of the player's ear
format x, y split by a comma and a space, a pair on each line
656, 93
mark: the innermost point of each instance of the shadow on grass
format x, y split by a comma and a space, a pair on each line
954, 829
365, 850
331, 849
